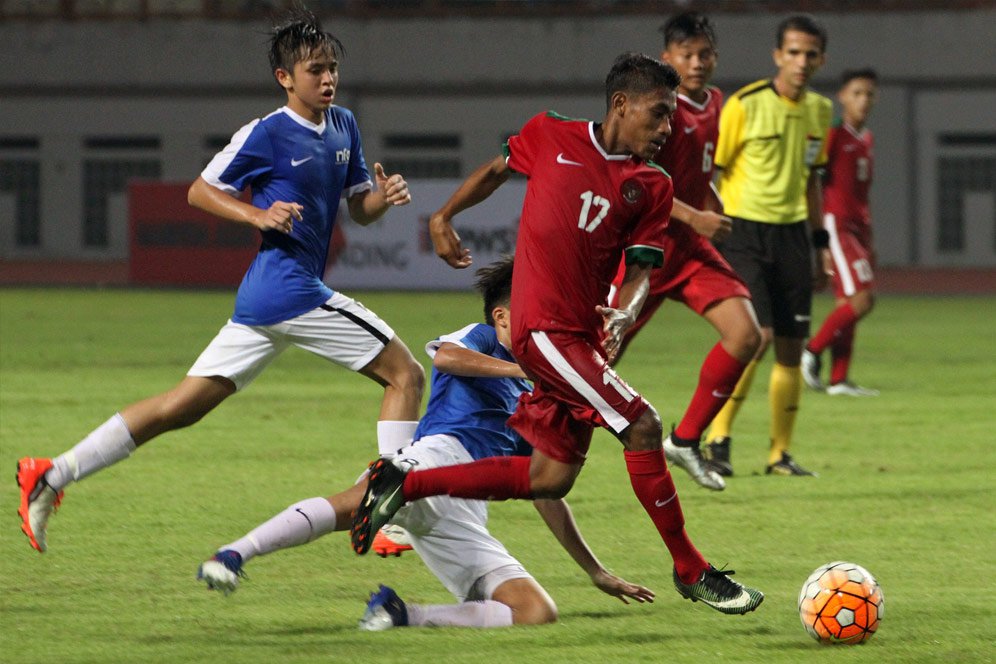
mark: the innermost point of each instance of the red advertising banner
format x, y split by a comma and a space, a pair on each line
174, 244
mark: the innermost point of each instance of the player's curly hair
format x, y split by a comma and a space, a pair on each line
297, 37
494, 283
635, 73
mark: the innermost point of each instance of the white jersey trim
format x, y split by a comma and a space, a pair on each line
598, 146
221, 161
357, 188
307, 124
694, 104
837, 252
560, 364
452, 338
860, 135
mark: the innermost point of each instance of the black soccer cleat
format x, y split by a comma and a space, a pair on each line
717, 456
381, 501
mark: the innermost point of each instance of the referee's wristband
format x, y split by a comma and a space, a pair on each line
821, 238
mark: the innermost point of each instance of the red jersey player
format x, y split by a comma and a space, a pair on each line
694, 272
592, 195
847, 220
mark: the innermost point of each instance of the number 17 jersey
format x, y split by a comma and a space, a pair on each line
583, 208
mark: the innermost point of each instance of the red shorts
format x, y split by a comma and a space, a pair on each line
852, 258
694, 273
574, 390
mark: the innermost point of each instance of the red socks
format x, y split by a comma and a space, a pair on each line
839, 319
653, 485
840, 355
495, 478
718, 376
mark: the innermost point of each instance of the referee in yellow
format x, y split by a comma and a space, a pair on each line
772, 145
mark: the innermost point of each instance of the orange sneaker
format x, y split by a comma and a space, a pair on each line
38, 499
391, 541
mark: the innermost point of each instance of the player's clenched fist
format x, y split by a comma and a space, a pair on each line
279, 217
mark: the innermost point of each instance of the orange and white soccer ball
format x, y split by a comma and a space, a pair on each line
841, 603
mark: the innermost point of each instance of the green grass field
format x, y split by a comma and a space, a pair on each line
906, 489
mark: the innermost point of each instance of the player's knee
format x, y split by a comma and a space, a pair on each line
410, 378
537, 611
644, 434
863, 304
744, 341
550, 487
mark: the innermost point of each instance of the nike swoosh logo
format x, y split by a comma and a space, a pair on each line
662, 503
799, 318
689, 130
298, 162
386, 501
562, 160
720, 395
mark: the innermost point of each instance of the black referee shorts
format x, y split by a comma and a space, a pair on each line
776, 261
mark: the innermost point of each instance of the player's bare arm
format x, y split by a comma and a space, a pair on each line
279, 217
477, 187
368, 206
712, 225
459, 361
558, 517
823, 268
616, 321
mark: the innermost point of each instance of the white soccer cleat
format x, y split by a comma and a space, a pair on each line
811, 366
849, 389
690, 458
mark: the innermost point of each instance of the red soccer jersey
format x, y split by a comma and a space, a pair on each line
688, 153
849, 176
583, 208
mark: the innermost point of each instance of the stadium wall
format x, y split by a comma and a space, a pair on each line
89, 106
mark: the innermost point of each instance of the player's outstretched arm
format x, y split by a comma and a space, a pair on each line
368, 206
559, 519
459, 361
482, 183
279, 217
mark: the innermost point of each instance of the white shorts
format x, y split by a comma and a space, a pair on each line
342, 331
450, 534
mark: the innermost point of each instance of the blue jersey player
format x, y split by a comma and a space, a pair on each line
475, 386
298, 161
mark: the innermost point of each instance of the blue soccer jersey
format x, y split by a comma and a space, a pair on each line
284, 157
474, 410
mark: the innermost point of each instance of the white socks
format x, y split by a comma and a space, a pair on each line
392, 435
486, 613
106, 445
298, 524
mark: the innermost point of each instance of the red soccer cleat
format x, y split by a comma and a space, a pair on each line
38, 499
391, 541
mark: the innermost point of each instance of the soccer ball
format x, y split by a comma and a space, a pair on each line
841, 603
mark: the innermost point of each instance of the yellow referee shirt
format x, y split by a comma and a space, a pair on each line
767, 146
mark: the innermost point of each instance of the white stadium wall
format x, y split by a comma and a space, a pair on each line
85, 105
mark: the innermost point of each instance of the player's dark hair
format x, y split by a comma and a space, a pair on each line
635, 73
851, 74
299, 36
685, 26
494, 283
802, 23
